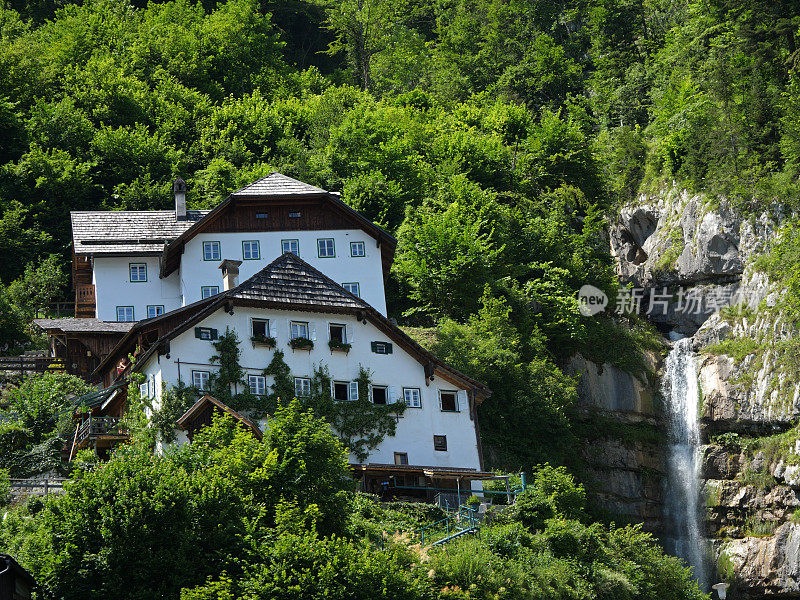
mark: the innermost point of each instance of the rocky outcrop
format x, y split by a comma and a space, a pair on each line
765, 566
685, 246
624, 466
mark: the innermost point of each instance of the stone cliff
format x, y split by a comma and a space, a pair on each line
703, 254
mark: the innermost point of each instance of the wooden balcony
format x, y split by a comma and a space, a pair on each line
84, 301
98, 433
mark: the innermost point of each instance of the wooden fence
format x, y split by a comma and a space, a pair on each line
22, 487
22, 365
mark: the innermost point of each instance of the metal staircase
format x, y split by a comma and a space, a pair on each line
460, 522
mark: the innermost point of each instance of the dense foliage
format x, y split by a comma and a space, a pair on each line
36, 421
231, 517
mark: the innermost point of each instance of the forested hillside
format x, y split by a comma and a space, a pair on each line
491, 137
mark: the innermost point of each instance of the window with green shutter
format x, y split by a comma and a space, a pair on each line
381, 347
205, 333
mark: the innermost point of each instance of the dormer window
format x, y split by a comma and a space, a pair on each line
294, 214
262, 216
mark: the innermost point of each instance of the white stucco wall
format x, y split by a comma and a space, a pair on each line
415, 429
367, 270
113, 287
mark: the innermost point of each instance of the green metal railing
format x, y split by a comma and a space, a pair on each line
462, 521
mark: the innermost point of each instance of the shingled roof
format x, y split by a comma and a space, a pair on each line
114, 232
287, 283
277, 184
73, 325
290, 280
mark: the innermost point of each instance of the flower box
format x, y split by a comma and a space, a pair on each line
301, 343
263, 340
339, 346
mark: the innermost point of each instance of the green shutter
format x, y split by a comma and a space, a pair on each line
197, 332
214, 335
374, 346
388, 348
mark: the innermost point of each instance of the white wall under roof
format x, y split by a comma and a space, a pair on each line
367, 271
415, 430
113, 287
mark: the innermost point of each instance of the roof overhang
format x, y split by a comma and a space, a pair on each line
208, 400
427, 471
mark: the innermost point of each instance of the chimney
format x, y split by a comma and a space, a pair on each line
179, 189
230, 273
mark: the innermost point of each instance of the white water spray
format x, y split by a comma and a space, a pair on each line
682, 503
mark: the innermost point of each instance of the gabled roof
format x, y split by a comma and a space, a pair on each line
275, 190
290, 280
277, 184
287, 283
115, 232
184, 422
76, 325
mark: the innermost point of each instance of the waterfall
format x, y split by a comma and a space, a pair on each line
683, 507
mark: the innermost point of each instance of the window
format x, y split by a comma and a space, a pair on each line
200, 380
138, 272
209, 290
449, 401
413, 397
400, 458
124, 313
381, 347
325, 248
440, 443
338, 333
302, 387
292, 246
205, 333
341, 391
357, 249
251, 250
260, 328
258, 384
379, 394
211, 251
299, 329
294, 214
353, 288
262, 216
153, 310
144, 389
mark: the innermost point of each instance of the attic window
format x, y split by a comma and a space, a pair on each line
262, 216
440, 443
294, 214
381, 347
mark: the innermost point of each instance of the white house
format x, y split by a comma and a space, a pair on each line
311, 267
134, 265
290, 299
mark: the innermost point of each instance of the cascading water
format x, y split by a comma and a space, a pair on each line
684, 521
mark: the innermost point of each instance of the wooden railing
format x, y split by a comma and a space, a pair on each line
29, 486
84, 300
11, 365
94, 427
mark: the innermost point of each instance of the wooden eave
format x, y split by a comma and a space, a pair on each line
200, 405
